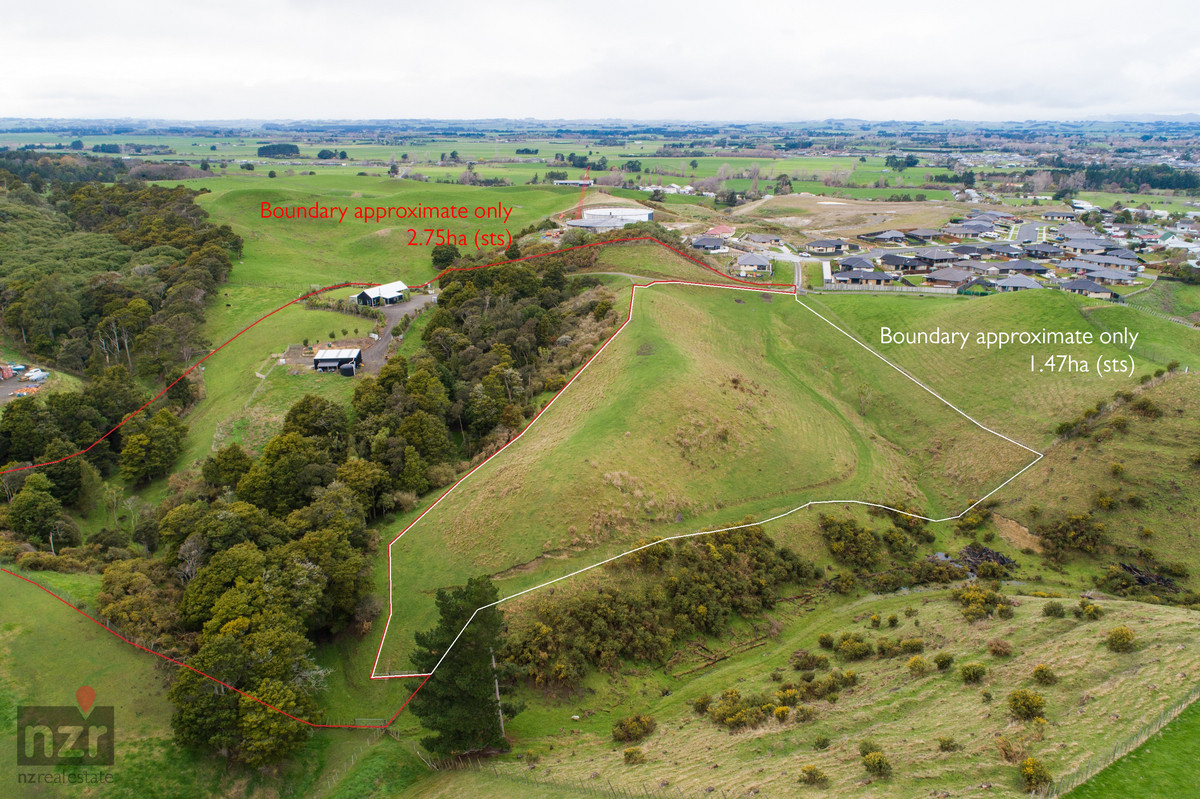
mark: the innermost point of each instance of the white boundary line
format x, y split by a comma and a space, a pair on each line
682, 536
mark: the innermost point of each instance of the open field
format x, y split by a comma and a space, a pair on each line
818, 217
699, 376
1099, 698
1171, 297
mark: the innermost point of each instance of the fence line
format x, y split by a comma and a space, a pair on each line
1097, 763
896, 289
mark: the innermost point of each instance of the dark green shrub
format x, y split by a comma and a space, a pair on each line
912, 646
893, 620
825, 641
943, 660
867, 746
948, 745
821, 742
634, 756
1053, 610
972, 672
701, 703
803, 660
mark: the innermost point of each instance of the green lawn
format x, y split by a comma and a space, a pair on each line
1164, 766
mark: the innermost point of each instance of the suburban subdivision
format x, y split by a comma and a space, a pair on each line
599, 458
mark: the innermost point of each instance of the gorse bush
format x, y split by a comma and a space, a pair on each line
943, 660
948, 745
877, 765
1034, 774
1026, 705
1053, 610
803, 660
811, 775
918, 666
632, 729
1044, 675
634, 756
1120, 639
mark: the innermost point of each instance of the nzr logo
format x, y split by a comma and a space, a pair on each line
63, 735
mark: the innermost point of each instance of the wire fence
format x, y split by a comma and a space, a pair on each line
1098, 762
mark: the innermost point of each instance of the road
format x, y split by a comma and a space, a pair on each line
1028, 232
374, 357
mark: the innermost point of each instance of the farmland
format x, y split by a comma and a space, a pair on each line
712, 407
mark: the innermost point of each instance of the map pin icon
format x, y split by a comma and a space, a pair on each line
86, 697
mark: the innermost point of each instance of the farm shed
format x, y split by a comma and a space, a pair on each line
387, 294
334, 360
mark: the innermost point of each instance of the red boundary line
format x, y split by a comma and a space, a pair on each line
746, 285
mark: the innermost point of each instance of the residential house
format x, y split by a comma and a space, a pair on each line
1006, 250
724, 231
1022, 267
863, 277
951, 277
1088, 288
714, 244
829, 247
904, 263
935, 257
1059, 216
753, 263
1017, 283
924, 234
1042, 250
764, 238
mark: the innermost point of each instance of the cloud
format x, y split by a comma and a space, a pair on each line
755, 59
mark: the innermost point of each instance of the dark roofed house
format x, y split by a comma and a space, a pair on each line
1111, 260
970, 250
1059, 216
829, 247
1088, 289
387, 294
1086, 246
935, 257
863, 277
924, 234
708, 243
887, 236
905, 263
855, 262
764, 238
1017, 283
1042, 250
1006, 249
1023, 268
1111, 277
1122, 252
950, 277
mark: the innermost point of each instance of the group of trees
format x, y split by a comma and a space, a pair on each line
43, 429
685, 588
113, 275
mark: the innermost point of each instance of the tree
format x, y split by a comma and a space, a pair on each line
283, 478
443, 255
314, 416
66, 477
33, 512
152, 452
458, 703
226, 467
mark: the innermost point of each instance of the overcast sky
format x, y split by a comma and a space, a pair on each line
737, 60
